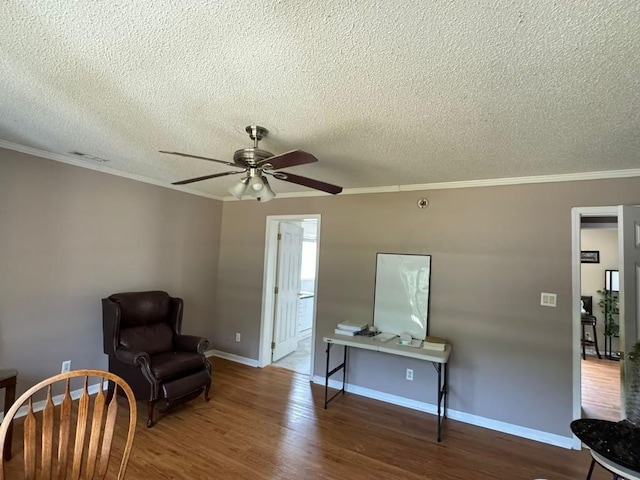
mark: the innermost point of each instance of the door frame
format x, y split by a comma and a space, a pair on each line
576, 215
269, 283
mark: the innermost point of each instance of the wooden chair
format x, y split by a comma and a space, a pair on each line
90, 458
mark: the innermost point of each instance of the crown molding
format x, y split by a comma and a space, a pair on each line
58, 157
491, 182
496, 182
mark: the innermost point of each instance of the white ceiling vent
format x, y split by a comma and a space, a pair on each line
548, 299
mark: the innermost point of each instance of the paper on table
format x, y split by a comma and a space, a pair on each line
384, 337
415, 342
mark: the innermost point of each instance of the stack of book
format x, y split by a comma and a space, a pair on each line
434, 343
351, 328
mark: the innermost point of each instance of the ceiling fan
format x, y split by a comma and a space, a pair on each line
256, 164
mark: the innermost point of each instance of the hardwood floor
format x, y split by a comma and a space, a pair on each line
270, 424
600, 388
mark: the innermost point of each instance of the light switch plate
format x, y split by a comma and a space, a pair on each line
548, 299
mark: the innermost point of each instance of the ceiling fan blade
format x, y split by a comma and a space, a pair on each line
308, 182
287, 159
201, 158
206, 177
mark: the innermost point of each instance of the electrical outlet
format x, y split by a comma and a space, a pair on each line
410, 374
237, 337
66, 366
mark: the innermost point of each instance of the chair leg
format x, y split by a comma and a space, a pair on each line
595, 341
206, 392
584, 355
593, 462
150, 406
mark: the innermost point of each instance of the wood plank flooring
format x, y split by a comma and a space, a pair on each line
600, 388
270, 424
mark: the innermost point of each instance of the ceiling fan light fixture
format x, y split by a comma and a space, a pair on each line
266, 193
239, 189
256, 185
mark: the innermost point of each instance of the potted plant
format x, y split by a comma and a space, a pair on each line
609, 306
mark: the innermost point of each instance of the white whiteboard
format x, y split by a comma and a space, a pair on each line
401, 302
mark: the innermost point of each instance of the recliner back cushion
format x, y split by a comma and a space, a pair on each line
142, 308
152, 339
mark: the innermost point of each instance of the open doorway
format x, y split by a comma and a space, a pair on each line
599, 334
299, 360
287, 331
628, 279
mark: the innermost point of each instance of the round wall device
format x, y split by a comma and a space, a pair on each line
423, 203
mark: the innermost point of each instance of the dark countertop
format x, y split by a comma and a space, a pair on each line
616, 441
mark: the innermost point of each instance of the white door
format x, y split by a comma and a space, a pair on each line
285, 325
629, 251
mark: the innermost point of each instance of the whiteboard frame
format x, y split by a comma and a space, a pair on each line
394, 309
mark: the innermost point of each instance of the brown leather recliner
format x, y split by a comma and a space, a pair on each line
142, 338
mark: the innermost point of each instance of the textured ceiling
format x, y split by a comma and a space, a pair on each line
383, 93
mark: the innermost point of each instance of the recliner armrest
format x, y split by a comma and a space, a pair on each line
190, 343
132, 357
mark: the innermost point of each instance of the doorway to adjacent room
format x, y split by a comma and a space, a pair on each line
599, 339
290, 287
628, 299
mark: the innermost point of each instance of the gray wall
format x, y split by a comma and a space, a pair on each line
71, 236
494, 250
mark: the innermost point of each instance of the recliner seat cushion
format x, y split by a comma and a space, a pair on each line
148, 338
168, 364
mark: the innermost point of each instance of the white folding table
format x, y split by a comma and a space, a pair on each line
439, 359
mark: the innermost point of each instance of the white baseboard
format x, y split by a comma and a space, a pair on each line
57, 400
304, 334
524, 432
234, 358
517, 430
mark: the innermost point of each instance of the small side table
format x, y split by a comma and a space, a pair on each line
618, 470
8, 380
614, 445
